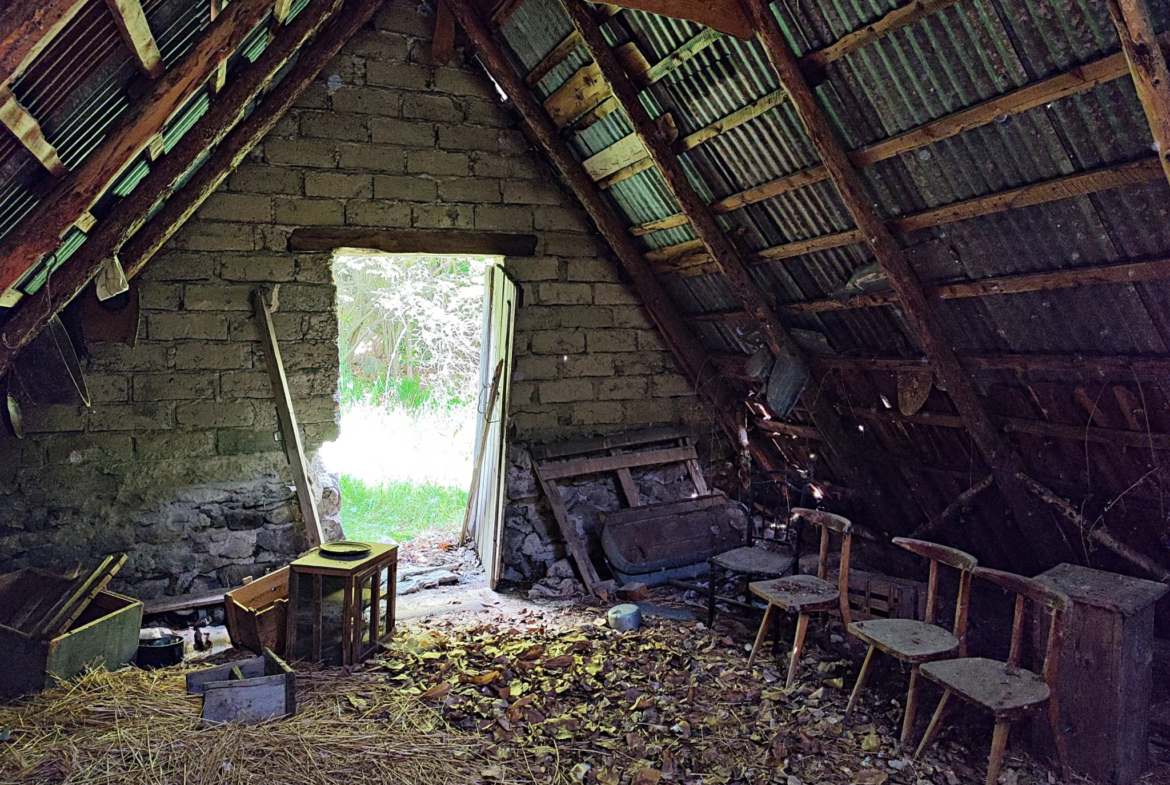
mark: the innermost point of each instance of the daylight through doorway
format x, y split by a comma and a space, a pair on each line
410, 335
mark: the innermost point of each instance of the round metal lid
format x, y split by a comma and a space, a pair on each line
344, 550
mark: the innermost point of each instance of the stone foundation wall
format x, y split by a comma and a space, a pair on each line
176, 462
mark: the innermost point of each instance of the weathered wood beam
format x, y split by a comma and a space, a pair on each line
224, 132
1075, 80
1066, 187
734, 120
788, 429
281, 10
131, 21
916, 309
874, 31
741, 282
964, 499
725, 16
40, 232
554, 58
316, 239
27, 130
1147, 64
27, 28
626, 152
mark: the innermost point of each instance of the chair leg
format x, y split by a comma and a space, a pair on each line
1058, 736
710, 595
797, 646
762, 635
861, 679
998, 746
911, 707
935, 725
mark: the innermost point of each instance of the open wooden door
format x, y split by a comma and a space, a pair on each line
487, 505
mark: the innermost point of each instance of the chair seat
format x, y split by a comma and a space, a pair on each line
989, 683
908, 640
753, 561
798, 593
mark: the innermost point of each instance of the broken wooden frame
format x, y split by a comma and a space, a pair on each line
247, 691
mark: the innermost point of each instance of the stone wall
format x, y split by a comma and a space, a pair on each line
176, 462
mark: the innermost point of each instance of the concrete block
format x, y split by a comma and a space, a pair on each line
560, 219
532, 268
315, 268
168, 445
651, 341
670, 386
213, 356
364, 212
204, 415
341, 185
423, 106
612, 341
217, 297
199, 235
536, 367
651, 411
588, 365
317, 153
108, 387
244, 208
306, 297
598, 413
366, 100
180, 266
566, 391
483, 190
405, 18
570, 245
459, 81
377, 44
260, 179
533, 192
146, 356
631, 316
309, 212
245, 384
535, 317
639, 364
372, 158
596, 270
469, 137
258, 267
485, 112
442, 216
489, 165
398, 74
408, 133
565, 293
437, 162
405, 188
613, 294
558, 342
100, 448
585, 316
173, 386
622, 388
300, 355
152, 416
503, 218
158, 296
245, 441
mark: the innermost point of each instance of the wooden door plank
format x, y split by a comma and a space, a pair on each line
632, 460
576, 546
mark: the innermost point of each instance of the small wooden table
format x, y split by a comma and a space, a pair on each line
338, 610
1105, 672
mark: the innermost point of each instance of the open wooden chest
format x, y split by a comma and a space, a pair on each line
257, 613
105, 633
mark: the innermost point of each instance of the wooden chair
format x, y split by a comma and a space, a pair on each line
1004, 688
805, 594
916, 642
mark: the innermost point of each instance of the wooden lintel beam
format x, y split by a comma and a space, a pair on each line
223, 131
315, 239
40, 232
726, 16
135, 30
849, 453
28, 132
1147, 64
916, 309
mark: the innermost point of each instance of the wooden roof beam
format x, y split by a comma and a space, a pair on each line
27, 130
40, 232
848, 450
1127, 366
27, 28
1147, 64
916, 309
220, 129
135, 30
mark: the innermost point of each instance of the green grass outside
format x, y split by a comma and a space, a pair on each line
398, 509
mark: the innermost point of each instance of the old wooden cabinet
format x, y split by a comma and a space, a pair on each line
1105, 675
339, 611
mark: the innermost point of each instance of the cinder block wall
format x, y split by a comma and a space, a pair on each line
177, 463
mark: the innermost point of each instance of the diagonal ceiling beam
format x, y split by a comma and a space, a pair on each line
28, 131
849, 451
1147, 64
220, 130
695, 362
27, 27
988, 438
135, 30
40, 232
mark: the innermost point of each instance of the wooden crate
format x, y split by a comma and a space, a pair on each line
248, 691
257, 613
106, 633
876, 596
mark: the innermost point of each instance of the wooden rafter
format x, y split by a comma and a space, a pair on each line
849, 453
135, 30
916, 309
27, 130
41, 230
220, 130
1075, 80
1122, 367
874, 31
725, 16
1147, 64
27, 28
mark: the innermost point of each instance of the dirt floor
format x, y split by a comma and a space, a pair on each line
494, 688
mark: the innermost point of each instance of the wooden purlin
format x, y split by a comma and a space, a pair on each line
992, 444
28, 131
694, 361
848, 451
26, 28
41, 230
132, 24
1147, 65
217, 130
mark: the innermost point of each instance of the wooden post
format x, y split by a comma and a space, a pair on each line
990, 441
288, 421
1147, 63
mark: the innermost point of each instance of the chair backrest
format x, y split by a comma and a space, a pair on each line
962, 561
831, 523
1027, 589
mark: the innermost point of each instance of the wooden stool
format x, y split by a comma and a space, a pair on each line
339, 610
805, 594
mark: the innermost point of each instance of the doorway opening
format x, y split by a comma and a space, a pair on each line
415, 334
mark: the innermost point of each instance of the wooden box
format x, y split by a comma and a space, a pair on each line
339, 611
106, 633
873, 595
257, 613
1105, 672
250, 691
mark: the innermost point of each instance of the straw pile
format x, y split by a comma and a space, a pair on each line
133, 727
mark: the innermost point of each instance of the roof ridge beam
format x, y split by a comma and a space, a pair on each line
739, 279
40, 232
220, 129
1147, 65
135, 30
916, 309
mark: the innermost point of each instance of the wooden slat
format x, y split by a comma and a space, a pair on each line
688, 51
27, 130
323, 238
572, 537
915, 308
39, 233
281, 9
583, 91
553, 58
625, 173
210, 133
723, 15
599, 444
1123, 366
609, 463
733, 120
26, 28
1147, 64
874, 31
626, 151
788, 429
286, 414
135, 30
